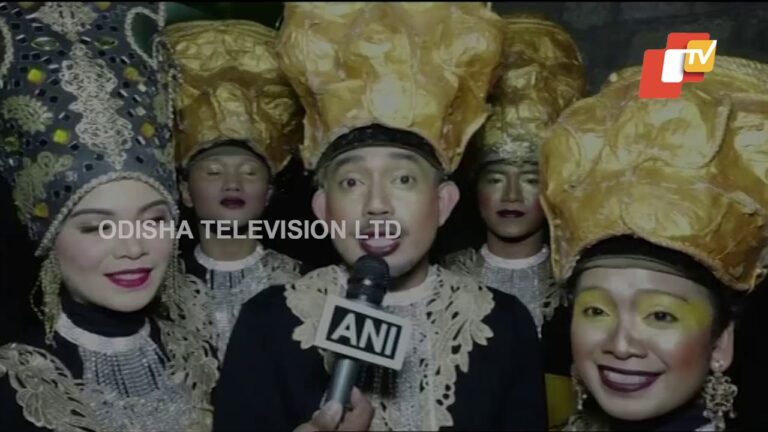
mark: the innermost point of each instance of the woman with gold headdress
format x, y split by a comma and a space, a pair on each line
238, 121
86, 146
542, 74
658, 211
392, 93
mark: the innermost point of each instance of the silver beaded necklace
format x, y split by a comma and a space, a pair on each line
527, 279
125, 380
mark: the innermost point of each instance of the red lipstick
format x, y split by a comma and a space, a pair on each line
131, 279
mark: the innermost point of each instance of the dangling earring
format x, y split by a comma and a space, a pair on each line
719, 394
169, 294
580, 389
49, 283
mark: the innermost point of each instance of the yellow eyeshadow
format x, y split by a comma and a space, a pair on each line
695, 315
594, 298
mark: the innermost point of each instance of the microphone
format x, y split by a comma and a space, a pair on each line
366, 287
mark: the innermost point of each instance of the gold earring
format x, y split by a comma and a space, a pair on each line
49, 283
171, 279
719, 394
580, 389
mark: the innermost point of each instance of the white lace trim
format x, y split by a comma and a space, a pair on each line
227, 266
454, 313
94, 342
514, 264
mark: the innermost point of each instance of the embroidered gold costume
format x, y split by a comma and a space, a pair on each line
413, 76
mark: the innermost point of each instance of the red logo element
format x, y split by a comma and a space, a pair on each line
659, 64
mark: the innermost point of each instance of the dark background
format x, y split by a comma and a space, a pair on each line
610, 35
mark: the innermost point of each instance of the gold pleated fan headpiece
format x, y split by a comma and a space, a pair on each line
689, 174
395, 73
542, 74
232, 88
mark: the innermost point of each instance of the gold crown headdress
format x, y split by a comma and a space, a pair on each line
232, 88
542, 74
689, 174
419, 68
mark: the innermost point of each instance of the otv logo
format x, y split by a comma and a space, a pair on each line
687, 57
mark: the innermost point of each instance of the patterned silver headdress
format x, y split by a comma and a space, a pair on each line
81, 105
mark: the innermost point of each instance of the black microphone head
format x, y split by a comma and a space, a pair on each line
370, 279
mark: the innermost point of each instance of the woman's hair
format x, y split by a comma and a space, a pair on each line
725, 302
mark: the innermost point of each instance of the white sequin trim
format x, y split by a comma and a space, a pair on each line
98, 343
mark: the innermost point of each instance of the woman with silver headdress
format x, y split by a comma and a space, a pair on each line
87, 145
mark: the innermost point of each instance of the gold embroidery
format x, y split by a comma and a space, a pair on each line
455, 313
50, 397
280, 269
192, 362
29, 113
512, 149
5, 34
165, 156
160, 106
466, 261
554, 296
31, 181
67, 18
188, 307
306, 299
45, 389
101, 128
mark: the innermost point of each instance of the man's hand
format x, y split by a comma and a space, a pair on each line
357, 418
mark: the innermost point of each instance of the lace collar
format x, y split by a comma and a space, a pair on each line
455, 321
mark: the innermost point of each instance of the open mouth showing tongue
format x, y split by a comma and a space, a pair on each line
233, 203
